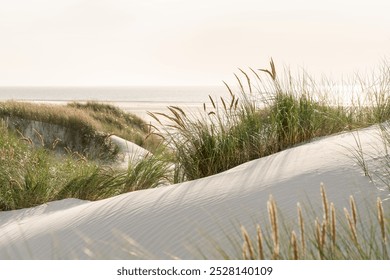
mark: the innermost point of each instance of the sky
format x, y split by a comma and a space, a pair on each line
185, 42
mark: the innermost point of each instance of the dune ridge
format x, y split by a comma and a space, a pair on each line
189, 220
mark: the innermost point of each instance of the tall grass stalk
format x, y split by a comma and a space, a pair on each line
302, 230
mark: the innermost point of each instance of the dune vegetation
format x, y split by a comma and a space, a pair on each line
331, 235
34, 173
269, 112
89, 118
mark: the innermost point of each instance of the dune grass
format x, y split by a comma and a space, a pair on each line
104, 182
30, 176
334, 235
113, 120
91, 119
268, 114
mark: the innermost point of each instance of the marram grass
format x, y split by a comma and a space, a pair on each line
331, 236
30, 176
270, 113
89, 118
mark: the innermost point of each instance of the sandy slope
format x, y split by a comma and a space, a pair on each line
128, 151
176, 221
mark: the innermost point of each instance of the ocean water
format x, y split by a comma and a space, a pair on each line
185, 94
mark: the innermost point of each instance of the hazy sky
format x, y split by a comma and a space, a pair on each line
184, 42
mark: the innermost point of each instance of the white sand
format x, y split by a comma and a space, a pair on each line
175, 221
128, 151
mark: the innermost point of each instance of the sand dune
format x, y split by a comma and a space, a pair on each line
191, 219
128, 151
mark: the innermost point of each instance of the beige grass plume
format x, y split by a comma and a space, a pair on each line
272, 213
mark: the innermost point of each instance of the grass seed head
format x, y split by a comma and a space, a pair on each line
247, 243
294, 245
272, 212
353, 209
352, 227
381, 220
260, 243
325, 204
333, 224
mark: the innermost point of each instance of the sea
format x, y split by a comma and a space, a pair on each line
137, 100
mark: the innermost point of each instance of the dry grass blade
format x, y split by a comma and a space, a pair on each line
244, 251
260, 243
232, 102
325, 204
247, 243
154, 116
302, 229
352, 227
224, 104
176, 112
294, 245
268, 72
272, 64
333, 224
152, 129
353, 209
247, 79
272, 212
323, 233
55, 143
254, 72
173, 119
239, 83
381, 220
178, 109
272, 73
212, 102
40, 136
28, 140
318, 236
229, 89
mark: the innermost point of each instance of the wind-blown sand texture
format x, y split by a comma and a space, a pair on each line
190, 220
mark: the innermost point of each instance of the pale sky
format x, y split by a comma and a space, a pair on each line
184, 42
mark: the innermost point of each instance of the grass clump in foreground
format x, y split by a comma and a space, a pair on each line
333, 236
269, 114
29, 176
